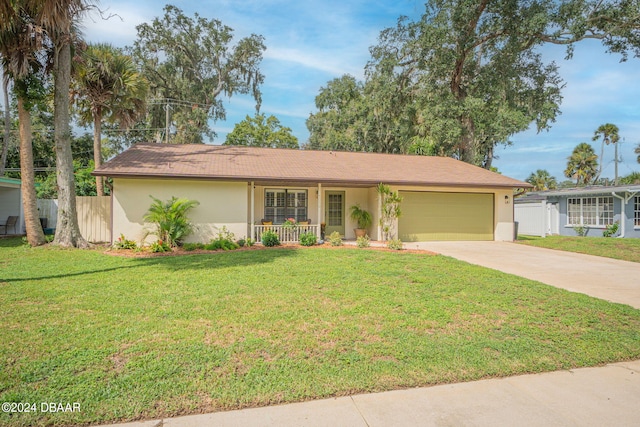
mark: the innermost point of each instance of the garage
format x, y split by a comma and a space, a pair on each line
446, 216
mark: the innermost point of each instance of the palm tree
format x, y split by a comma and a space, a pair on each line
6, 80
582, 165
56, 18
637, 151
171, 220
609, 133
18, 45
542, 180
108, 86
632, 179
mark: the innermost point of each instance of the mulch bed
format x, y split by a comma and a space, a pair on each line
130, 253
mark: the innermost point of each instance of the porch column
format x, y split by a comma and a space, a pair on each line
253, 211
319, 232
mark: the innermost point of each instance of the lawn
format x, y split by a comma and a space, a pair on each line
624, 249
141, 338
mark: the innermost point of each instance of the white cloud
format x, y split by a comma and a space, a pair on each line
333, 63
115, 24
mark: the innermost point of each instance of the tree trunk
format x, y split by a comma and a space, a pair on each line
35, 235
466, 147
7, 125
67, 231
97, 151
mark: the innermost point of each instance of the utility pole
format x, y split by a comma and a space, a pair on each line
615, 181
166, 120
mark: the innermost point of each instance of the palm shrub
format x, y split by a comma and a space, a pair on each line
361, 217
170, 219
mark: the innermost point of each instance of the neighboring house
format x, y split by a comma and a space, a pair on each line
11, 205
594, 208
242, 187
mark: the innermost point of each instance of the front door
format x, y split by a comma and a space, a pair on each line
334, 212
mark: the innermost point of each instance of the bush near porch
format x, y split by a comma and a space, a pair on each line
142, 338
623, 249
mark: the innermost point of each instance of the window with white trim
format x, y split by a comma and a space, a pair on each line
590, 211
636, 212
280, 204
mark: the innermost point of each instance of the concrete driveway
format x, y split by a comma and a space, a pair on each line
609, 279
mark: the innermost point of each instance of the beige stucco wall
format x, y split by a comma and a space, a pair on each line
503, 206
221, 204
229, 203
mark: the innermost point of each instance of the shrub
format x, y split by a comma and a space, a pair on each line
270, 238
170, 219
308, 239
225, 240
335, 239
192, 246
580, 230
241, 242
160, 246
363, 242
611, 230
123, 243
395, 244
249, 242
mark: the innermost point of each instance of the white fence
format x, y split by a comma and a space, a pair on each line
286, 234
94, 216
537, 219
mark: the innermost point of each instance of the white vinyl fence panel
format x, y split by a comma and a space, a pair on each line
531, 218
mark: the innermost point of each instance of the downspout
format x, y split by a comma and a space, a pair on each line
320, 219
623, 213
252, 214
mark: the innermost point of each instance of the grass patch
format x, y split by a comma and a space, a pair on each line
623, 249
140, 338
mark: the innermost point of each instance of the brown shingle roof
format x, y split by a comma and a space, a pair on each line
270, 165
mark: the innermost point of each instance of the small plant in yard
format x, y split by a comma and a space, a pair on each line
335, 239
308, 239
611, 230
192, 246
580, 230
395, 244
225, 240
159, 246
270, 238
363, 242
249, 242
241, 242
170, 219
123, 243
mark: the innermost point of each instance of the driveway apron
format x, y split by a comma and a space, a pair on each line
605, 278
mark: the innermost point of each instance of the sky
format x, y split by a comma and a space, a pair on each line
310, 43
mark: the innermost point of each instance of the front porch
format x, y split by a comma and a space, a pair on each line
287, 233
315, 208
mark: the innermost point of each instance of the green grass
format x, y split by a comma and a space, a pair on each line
623, 249
133, 338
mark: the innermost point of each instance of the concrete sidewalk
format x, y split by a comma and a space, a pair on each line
603, 396
605, 278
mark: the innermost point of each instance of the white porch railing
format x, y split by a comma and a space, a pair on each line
286, 234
